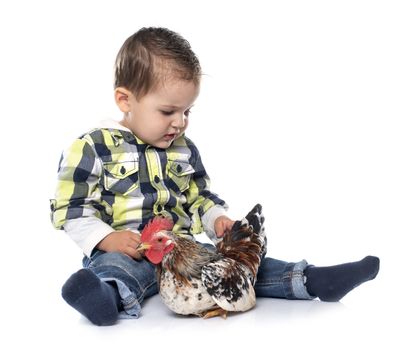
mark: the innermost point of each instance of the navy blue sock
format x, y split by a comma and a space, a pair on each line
93, 298
332, 283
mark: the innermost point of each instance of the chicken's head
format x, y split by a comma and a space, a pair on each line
156, 239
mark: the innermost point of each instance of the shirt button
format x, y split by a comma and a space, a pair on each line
157, 179
129, 137
122, 170
179, 168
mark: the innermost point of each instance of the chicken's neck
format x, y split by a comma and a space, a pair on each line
186, 259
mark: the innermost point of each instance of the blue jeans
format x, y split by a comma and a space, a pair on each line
136, 280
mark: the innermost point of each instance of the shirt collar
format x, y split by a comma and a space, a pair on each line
112, 124
116, 129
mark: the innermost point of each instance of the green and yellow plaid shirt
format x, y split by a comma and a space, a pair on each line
112, 175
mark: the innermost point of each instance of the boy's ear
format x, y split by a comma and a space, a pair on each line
122, 97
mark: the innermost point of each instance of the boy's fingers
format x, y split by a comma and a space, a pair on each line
220, 232
135, 237
133, 253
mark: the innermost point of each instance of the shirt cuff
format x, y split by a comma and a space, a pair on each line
87, 232
208, 221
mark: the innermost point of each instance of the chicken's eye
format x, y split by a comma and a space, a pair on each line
159, 239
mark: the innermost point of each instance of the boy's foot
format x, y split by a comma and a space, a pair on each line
332, 283
93, 298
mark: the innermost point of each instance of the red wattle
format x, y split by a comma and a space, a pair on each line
154, 256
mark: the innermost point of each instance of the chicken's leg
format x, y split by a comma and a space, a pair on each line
215, 312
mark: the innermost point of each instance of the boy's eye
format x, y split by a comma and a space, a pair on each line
169, 113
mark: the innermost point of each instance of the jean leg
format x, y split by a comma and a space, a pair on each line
135, 280
280, 279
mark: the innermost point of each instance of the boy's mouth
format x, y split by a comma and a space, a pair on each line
169, 137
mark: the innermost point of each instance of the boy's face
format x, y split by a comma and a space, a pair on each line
161, 116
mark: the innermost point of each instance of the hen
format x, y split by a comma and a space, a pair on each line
196, 280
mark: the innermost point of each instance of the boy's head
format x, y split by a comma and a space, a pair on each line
157, 79
152, 55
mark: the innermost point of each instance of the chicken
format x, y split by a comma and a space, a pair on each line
194, 280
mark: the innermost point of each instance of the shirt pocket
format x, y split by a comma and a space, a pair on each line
180, 173
121, 176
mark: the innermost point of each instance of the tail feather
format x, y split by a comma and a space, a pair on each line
255, 219
247, 242
252, 223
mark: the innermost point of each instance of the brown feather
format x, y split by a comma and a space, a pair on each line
186, 260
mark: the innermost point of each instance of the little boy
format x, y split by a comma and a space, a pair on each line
115, 178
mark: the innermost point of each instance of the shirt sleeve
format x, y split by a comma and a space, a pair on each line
200, 199
78, 197
208, 221
87, 232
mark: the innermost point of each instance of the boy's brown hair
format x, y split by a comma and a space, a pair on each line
151, 53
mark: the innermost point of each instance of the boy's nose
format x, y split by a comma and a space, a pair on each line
179, 121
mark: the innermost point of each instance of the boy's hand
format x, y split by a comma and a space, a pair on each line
223, 225
124, 242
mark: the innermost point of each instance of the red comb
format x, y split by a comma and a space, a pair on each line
158, 223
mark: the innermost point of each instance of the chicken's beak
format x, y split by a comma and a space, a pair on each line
143, 246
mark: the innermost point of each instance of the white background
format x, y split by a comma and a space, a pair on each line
305, 108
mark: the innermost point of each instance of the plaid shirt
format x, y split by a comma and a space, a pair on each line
111, 175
